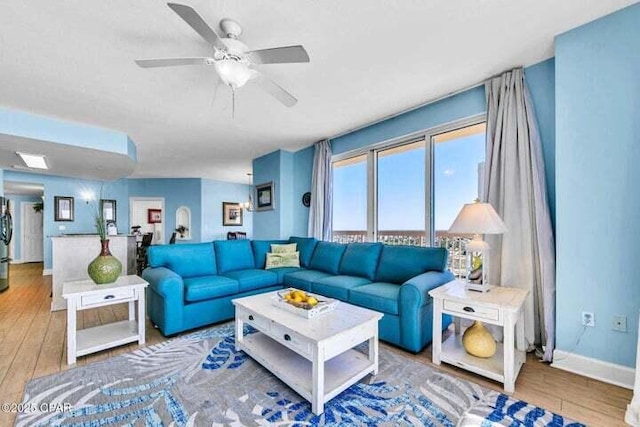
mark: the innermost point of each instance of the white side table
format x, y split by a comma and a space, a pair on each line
84, 294
499, 306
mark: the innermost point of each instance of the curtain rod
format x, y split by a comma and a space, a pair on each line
424, 104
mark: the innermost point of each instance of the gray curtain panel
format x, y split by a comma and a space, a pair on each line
523, 257
321, 209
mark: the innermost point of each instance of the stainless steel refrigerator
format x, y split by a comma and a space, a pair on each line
6, 232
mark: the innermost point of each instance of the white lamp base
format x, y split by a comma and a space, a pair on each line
478, 287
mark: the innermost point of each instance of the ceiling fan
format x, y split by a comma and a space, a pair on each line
234, 62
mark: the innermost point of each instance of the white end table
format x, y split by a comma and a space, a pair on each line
84, 294
499, 306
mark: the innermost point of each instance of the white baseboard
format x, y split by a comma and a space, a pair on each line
611, 373
47, 272
16, 261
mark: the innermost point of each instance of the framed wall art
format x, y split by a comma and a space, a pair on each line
63, 208
108, 208
231, 214
265, 197
154, 216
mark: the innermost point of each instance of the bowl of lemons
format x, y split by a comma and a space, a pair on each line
303, 303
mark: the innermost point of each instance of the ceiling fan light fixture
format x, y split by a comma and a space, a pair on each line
234, 73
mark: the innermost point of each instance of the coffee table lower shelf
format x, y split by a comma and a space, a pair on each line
297, 372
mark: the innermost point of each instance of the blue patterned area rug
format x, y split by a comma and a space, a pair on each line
200, 380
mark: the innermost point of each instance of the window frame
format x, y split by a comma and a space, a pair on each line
371, 151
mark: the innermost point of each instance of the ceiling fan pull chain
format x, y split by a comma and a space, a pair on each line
233, 103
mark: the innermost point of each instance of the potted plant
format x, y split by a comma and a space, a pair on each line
182, 230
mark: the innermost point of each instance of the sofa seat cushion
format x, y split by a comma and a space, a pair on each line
186, 260
281, 271
327, 256
378, 296
232, 255
306, 246
209, 287
400, 263
303, 279
253, 278
337, 286
261, 248
361, 259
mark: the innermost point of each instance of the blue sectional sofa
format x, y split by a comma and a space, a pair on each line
192, 285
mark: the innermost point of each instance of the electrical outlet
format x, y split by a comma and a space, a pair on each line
619, 323
588, 319
62, 227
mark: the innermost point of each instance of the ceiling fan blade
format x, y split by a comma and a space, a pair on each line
280, 55
275, 90
196, 22
172, 62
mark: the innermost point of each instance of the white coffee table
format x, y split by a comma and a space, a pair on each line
315, 357
84, 294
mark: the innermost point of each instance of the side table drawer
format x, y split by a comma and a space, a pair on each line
109, 296
290, 339
253, 319
472, 310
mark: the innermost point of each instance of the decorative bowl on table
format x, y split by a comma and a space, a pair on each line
303, 303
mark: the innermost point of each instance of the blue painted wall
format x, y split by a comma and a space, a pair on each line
456, 107
176, 192
27, 125
302, 165
213, 194
17, 199
541, 81
597, 176
266, 224
83, 212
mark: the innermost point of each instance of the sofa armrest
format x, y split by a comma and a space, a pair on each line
416, 310
164, 282
165, 299
414, 292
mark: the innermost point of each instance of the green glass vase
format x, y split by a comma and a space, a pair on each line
105, 268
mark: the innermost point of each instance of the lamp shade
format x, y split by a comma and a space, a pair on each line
478, 218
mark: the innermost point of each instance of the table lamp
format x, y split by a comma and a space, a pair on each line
478, 218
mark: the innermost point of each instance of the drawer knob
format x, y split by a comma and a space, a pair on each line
287, 337
251, 317
109, 296
469, 309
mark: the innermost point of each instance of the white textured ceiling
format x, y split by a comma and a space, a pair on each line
73, 60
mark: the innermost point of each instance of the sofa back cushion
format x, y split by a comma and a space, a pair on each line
261, 248
327, 256
361, 259
400, 263
186, 260
306, 246
233, 255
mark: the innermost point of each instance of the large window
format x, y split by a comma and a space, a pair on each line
409, 191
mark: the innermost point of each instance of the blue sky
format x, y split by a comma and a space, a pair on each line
401, 189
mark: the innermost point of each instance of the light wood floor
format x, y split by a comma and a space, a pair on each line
32, 344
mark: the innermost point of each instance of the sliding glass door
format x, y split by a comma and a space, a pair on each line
409, 191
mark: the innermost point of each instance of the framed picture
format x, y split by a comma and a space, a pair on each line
63, 208
108, 209
231, 214
265, 197
154, 216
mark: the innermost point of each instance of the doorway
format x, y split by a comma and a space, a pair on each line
141, 216
27, 209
